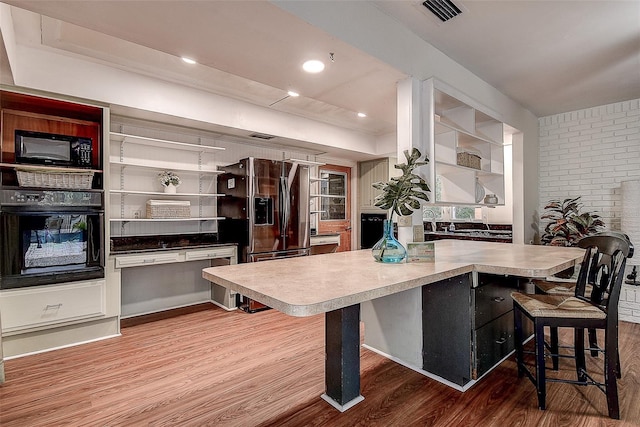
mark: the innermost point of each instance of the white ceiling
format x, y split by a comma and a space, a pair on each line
549, 56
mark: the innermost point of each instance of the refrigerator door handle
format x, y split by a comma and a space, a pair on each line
285, 206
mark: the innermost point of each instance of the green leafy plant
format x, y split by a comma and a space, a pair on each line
567, 224
80, 226
168, 177
402, 194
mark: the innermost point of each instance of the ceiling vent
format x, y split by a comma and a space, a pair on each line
443, 9
263, 136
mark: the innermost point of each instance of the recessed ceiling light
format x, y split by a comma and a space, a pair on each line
293, 94
362, 115
313, 66
188, 60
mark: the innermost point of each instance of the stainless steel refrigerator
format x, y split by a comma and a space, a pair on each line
265, 210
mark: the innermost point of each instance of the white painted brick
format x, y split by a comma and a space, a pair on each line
615, 127
613, 139
603, 123
580, 127
627, 119
627, 131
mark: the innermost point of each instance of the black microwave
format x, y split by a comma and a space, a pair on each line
52, 149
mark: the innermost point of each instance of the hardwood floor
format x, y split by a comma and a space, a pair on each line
218, 368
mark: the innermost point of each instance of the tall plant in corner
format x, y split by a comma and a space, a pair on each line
400, 195
567, 223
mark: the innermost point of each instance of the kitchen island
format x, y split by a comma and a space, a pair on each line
338, 284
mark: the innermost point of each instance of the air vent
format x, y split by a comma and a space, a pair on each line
263, 136
443, 9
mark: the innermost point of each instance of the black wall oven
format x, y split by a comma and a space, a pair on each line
49, 237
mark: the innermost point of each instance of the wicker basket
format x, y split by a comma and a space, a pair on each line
74, 180
168, 209
469, 160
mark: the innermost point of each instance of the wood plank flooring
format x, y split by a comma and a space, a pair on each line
218, 368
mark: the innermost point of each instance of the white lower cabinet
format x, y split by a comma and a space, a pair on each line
48, 305
153, 258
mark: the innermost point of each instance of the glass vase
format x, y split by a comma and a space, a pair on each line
388, 249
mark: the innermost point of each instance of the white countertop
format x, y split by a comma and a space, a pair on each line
305, 286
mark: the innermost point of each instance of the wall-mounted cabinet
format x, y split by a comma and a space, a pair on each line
466, 148
136, 161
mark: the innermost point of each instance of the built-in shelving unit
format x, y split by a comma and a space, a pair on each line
313, 181
466, 148
135, 161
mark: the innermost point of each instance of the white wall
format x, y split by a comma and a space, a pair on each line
359, 23
588, 153
364, 26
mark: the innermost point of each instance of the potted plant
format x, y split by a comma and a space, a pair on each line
169, 180
400, 195
567, 224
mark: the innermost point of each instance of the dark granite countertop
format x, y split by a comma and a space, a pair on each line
137, 244
478, 235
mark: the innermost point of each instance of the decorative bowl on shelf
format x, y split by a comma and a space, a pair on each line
491, 199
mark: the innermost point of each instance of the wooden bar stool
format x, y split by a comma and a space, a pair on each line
599, 311
568, 288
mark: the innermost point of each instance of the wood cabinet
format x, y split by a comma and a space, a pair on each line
369, 172
135, 163
465, 146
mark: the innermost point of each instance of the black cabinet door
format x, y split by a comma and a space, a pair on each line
493, 342
492, 301
446, 320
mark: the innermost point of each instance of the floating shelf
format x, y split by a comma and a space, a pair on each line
163, 194
155, 141
215, 218
167, 167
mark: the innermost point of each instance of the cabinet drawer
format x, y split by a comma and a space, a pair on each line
493, 342
221, 252
124, 261
491, 301
38, 306
325, 240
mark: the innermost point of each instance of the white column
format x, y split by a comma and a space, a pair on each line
409, 134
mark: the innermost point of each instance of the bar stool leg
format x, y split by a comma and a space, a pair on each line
593, 342
518, 339
610, 374
554, 347
579, 349
541, 386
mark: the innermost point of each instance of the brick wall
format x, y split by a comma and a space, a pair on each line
588, 153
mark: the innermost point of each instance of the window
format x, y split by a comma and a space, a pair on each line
333, 200
464, 213
431, 213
